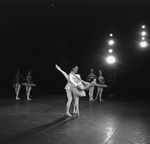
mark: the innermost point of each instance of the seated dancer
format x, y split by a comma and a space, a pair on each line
74, 86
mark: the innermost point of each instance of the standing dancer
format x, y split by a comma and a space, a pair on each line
74, 82
90, 78
100, 89
68, 91
29, 87
17, 83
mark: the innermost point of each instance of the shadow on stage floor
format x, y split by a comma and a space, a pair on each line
23, 135
42, 121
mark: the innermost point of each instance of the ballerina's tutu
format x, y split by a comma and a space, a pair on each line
79, 92
100, 85
84, 86
29, 84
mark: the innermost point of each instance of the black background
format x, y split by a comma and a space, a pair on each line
35, 35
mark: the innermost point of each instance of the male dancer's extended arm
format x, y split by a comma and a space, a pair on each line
64, 73
79, 78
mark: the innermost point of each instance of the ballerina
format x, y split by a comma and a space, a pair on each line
29, 86
90, 78
75, 86
100, 89
17, 83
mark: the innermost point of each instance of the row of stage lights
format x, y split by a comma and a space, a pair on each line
143, 38
111, 58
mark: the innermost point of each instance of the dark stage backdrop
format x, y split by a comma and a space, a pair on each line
35, 35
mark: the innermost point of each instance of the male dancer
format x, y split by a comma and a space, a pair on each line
74, 82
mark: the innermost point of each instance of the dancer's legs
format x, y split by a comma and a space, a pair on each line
76, 99
100, 94
91, 90
74, 106
17, 89
28, 90
69, 96
98, 91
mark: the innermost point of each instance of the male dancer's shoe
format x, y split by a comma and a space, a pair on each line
68, 114
76, 112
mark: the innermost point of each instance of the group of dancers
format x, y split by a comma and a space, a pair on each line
76, 87
17, 82
98, 80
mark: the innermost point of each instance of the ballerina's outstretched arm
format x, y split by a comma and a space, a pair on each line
64, 73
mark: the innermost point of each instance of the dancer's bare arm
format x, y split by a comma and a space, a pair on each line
64, 73
85, 82
79, 78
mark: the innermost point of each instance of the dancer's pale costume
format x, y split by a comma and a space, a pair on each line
74, 86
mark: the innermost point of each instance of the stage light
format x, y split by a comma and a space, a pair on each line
111, 42
111, 59
143, 38
143, 44
110, 50
111, 35
143, 33
143, 26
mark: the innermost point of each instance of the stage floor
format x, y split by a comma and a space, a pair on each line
43, 121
